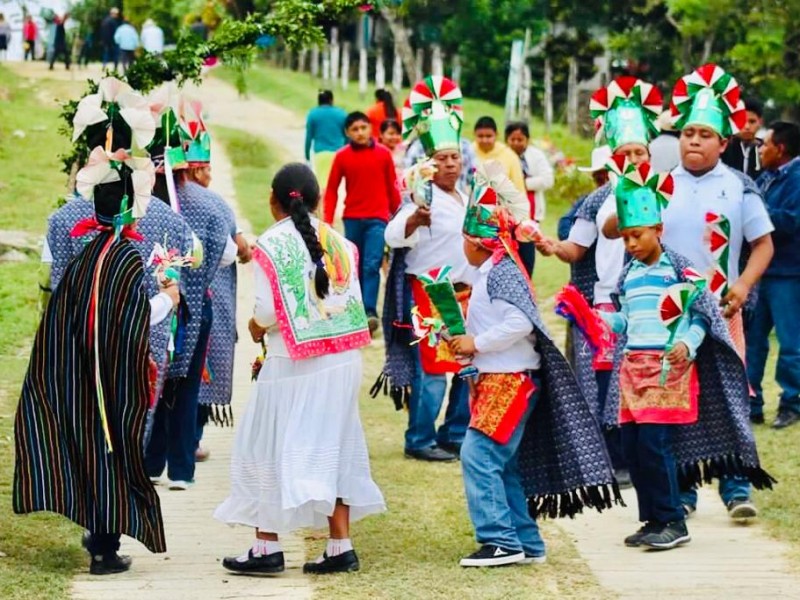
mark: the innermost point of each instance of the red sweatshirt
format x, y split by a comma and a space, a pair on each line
370, 181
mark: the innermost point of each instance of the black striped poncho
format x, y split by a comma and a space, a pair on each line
63, 464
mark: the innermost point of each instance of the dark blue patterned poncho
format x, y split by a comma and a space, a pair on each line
562, 458
721, 443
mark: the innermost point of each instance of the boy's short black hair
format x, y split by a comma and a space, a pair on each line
788, 135
486, 122
517, 126
354, 117
325, 97
754, 105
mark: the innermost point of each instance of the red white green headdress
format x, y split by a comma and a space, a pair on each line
641, 193
196, 139
434, 112
708, 96
625, 111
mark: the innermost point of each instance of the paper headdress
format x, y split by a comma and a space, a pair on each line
115, 117
710, 97
625, 111
118, 184
433, 110
164, 105
196, 139
641, 193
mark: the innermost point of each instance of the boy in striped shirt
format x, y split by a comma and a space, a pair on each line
649, 411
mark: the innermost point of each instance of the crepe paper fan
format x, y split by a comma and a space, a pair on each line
663, 185
425, 94
143, 178
724, 86
571, 305
163, 98
626, 87
674, 303
112, 88
437, 275
717, 281
695, 277
89, 112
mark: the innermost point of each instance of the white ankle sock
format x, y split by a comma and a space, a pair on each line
261, 548
337, 547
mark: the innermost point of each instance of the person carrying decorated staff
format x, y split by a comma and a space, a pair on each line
174, 438
81, 418
527, 413
424, 234
679, 388
300, 458
625, 112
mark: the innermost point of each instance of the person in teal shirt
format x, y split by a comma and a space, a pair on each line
325, 131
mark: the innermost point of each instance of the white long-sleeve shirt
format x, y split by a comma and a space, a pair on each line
538, 177
438, 245
504, 337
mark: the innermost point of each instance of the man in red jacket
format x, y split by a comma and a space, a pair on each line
371, 198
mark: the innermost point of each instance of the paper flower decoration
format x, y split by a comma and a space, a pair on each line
104, 167
625, 111
717, 239
114, 96
163, 98
168, 264
708, 96
572, 306
417, 179
673, 307
641, 193
433, 110
426, 328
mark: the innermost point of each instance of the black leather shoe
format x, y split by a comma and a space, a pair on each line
341, 563
453, 448
785, 418
109, 564
434, 454
269, 564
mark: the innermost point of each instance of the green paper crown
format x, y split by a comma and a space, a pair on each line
637, 206
707, 110
198, 150
626, 124
439, 132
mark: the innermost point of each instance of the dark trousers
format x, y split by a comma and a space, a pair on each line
648, 450
367, 235
30, 49
60, 50
612, 435
126, 57
174, 437
102, 544
110, 55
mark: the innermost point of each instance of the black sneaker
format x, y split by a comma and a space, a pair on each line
109, 564
493, 556
667, 536
786, 418
742, 509
434, 454
341, 563
635, 539
453, 448
267, 563
757, 419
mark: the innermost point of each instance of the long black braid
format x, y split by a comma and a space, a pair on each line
297, 191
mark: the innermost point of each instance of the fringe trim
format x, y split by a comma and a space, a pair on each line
401, 395
705, 470
219, 415
569, 504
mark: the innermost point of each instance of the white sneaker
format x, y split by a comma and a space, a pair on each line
155, 480
180, 485
533, 560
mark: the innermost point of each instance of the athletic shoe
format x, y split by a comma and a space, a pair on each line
490, 555
341, 563
689, 510
786, 418
635, 539
742, 509
434, 454
180, 485
109, 564
668, 536
250, 563
533, 559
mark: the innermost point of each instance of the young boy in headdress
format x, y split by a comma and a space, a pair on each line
527, 412
674, 353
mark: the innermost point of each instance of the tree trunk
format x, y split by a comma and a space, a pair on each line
362, 73
707, 46
345, 65
419, 63
326, 65
380, 70
302, 59
437, 66
455, 74
548, 95
397, 70
572, 96
402, 46
315, 61
335, 53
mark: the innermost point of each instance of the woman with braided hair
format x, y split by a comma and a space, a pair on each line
300, 458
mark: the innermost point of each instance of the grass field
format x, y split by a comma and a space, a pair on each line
40, 552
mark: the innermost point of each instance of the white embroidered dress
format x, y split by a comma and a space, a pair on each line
300, 445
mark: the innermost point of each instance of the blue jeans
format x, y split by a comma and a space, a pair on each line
110, 55
496, 501
730, 488
367, 235
174, 437
778, 298
612, 435
427, 395
654, 473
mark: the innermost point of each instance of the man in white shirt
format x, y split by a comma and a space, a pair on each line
152, 37
714, 212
